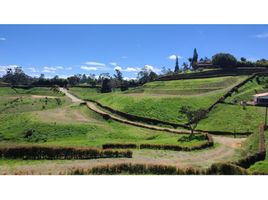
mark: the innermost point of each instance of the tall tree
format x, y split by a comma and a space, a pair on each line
177, 68
194, 59
106, 86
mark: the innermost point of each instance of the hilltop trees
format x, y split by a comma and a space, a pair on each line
16, 76
224, 60
146, 75
185, 66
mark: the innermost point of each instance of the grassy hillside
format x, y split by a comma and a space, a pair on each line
246, 92
188, 87
148, 102
233, 118
70, 125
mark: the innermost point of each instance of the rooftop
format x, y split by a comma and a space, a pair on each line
261, 94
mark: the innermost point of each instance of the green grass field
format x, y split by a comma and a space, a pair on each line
146, 101
232, 118
246, 92
69, 125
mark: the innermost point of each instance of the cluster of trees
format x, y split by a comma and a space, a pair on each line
228, 61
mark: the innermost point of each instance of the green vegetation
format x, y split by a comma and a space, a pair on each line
246, 92
147, 102
69, 125
233, 118
262, 166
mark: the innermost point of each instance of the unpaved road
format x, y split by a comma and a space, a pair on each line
72, 97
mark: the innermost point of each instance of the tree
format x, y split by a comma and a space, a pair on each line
146, 75
224, 60
243, 59
16, 77
192, 116
185, 66
177, 68
106, 86
73, 80
190, 61
194, 59
165, 71
118, 75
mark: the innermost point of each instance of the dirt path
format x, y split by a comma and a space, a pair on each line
72, 97
222, 153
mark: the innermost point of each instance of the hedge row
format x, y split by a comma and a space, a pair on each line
259, 156
150, 169
119, 146
213, 74
51, 153
207, 144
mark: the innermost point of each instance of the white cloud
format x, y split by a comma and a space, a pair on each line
95, 63
262, 35
131, 69
51, 69
173, 57
3, 68
48, 71
113, 63
32, 69
118, 68
89, 68
127, 78
124, 57
68, 68
149, 67
2, 39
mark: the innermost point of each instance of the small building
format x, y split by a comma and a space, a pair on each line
261, 99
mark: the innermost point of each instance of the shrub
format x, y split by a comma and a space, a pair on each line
224, 60
119, 146
51, 153
129, 168
225, 169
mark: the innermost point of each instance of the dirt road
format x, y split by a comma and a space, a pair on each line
72, 97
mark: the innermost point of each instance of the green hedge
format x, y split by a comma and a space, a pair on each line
51, 153
150, 169
119, 146
259, 156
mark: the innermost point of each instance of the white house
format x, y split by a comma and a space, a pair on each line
261, 99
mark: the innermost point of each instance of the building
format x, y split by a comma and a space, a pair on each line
261, 99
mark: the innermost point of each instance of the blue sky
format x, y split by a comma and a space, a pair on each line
71, 49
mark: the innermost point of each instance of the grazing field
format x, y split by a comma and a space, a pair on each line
66, 124
146, 101
233, 118
188, 87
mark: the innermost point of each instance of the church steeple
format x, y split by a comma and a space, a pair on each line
177, 68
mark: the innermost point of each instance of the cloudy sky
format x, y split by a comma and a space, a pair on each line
93, 49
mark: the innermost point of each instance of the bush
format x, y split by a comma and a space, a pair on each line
225, 169
119, 146
128, 168
51, 153
224, 60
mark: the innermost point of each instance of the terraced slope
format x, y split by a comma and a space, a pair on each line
160, 100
